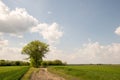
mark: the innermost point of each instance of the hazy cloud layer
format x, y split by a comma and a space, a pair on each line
55, 54
49, 12
89, 53
97, 53
11, 53
3, 42
1, 33
16, 35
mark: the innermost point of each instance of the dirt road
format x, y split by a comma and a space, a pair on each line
43, 74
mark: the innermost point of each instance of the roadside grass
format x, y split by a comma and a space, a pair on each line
27, 75
12, 72
88, 72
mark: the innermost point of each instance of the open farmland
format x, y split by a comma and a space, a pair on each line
12, 72
88, 72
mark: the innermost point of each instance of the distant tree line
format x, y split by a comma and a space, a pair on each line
22, 63
13, 63
52, 63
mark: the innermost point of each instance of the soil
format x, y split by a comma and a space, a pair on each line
43, 74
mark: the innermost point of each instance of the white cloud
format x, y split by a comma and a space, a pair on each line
16, 35
18, 21
51, 33
55, 53
15, 21
1, 33
3, 42
22, 44
11, 53
89, 53
49, 12
117, 31
96, 53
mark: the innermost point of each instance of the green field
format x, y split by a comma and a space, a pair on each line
88, 72
12, 72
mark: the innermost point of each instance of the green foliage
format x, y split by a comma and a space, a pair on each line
88, 72
12, 72
36, 51
57, 62
13, 63
44, 64
51, 63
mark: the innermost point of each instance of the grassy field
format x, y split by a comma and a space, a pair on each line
12, 72
88, 72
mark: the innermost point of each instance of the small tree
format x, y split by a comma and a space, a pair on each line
57, 62
36, 50
44, 64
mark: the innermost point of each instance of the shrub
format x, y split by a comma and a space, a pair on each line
13, 63
52, 63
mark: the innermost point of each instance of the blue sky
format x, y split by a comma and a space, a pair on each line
82, 25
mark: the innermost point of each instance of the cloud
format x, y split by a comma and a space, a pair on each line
18, 21
22, 44
11, 53
96, 53
49, 12
16, 35
55, 53
3, 42
89, 53
51, 33
117, 31
1, 33
15, 21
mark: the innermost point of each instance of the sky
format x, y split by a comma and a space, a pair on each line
77, 31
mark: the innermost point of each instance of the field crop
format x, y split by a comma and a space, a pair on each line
88, 72
12, 72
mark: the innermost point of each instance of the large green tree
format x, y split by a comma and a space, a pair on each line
36, 50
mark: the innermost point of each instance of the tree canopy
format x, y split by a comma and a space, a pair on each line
36, 50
